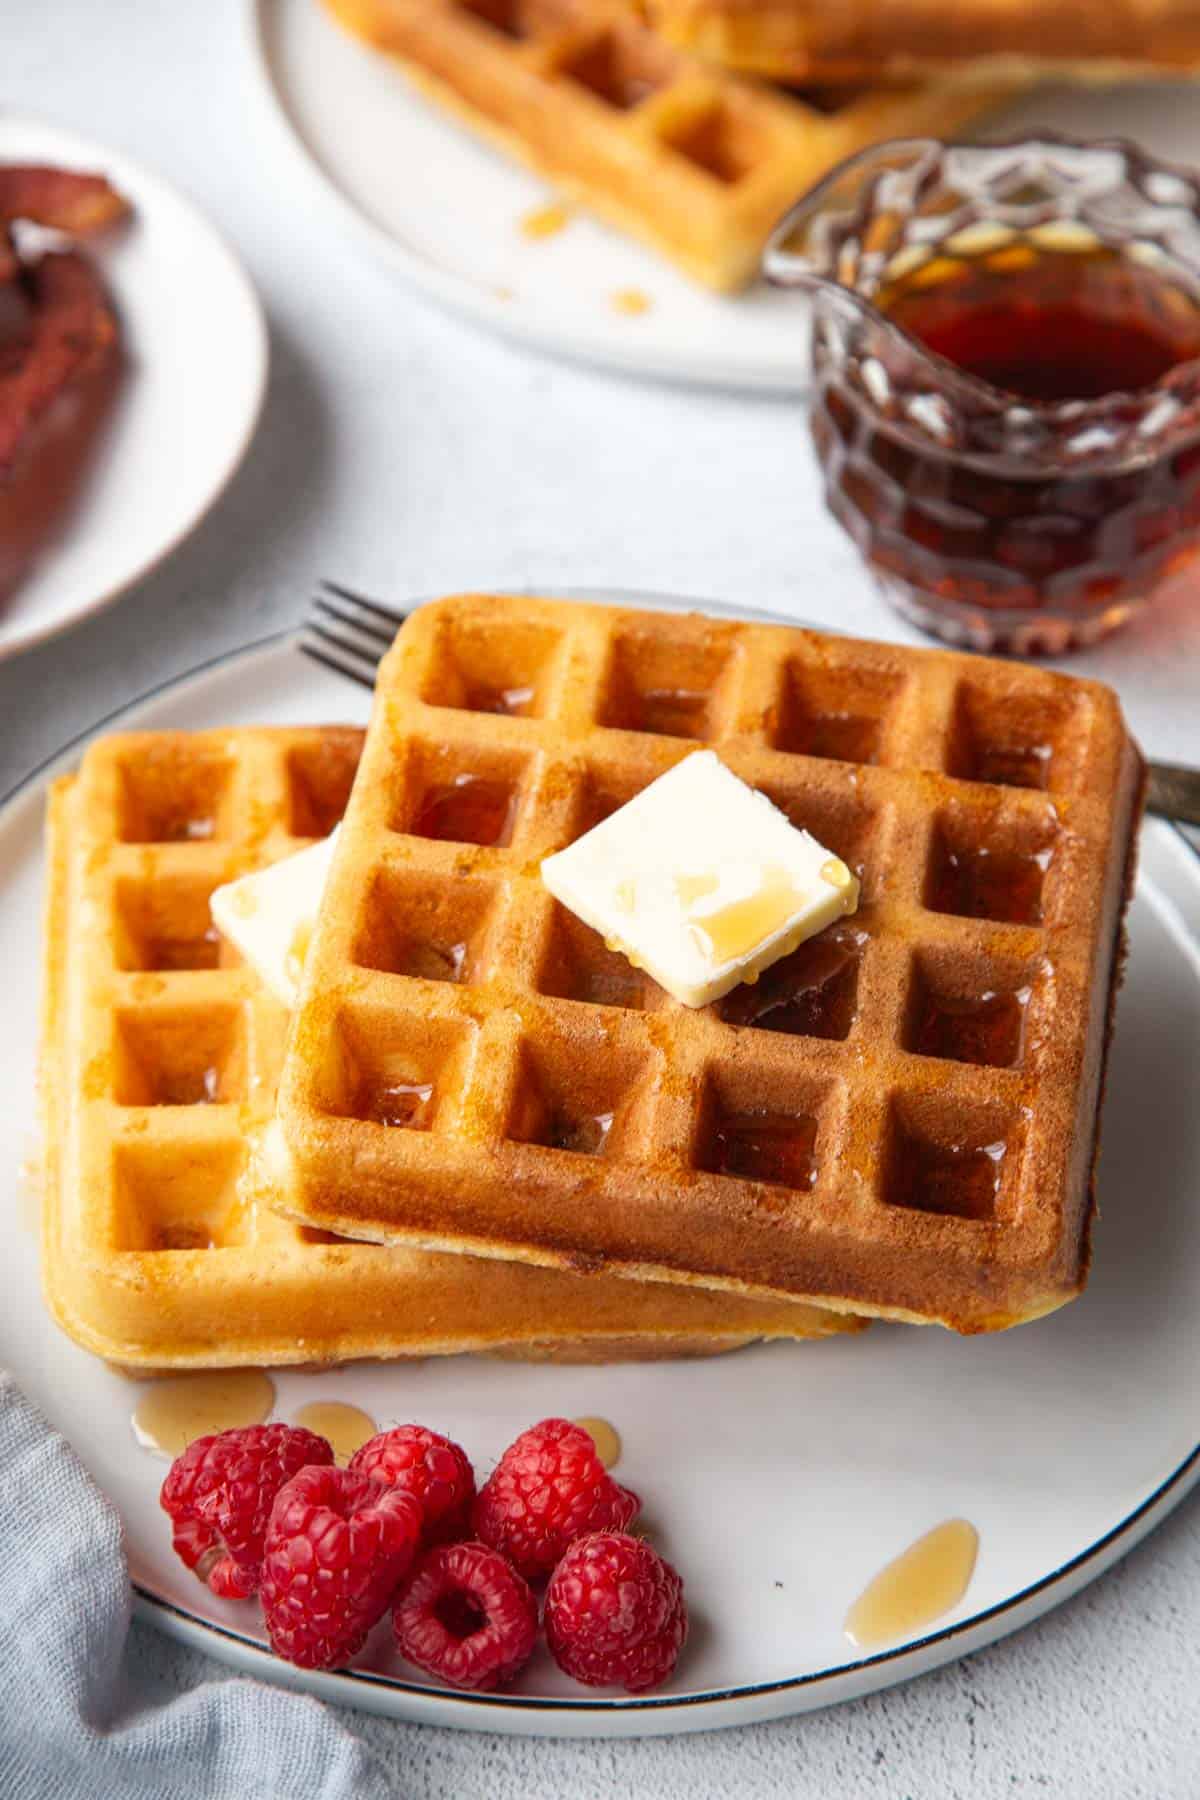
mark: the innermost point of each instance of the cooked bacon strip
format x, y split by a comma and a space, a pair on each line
58, 198
71, 331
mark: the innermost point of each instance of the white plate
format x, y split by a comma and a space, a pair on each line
196, 353
781, 1478
444, 211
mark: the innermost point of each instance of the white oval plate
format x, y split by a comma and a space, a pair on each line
195, 347
444, 212
454, 230
781, 1478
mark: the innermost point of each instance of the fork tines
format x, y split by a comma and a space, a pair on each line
348, 632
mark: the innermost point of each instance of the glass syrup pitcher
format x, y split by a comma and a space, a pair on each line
1006, 379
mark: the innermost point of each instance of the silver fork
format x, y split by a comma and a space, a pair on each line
349, 634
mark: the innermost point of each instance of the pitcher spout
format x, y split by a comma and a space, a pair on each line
862, 208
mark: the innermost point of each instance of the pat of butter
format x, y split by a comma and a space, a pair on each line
269, 916
700, 881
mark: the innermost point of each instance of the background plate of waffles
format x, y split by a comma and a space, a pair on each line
780, 1477
693, 161
152, 452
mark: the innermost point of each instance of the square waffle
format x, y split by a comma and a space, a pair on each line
160, 1067
900, 1120
697, 162
980, 40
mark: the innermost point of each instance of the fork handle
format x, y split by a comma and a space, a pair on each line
1174, 792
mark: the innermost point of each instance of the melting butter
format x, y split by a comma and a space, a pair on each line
691, 888
297, 951
739, 928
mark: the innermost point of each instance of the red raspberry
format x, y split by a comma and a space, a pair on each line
549, 1488
432, 1469
466, 1617
219, 1495
337, 1545
615, 1613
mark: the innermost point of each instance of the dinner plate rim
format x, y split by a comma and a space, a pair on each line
627, 1715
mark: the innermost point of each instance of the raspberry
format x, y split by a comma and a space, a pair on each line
219, 1495
549, 1488
466, 1616
429, 1467
615, 1613
337, 1545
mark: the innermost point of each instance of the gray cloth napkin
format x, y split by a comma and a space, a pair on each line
68, 1725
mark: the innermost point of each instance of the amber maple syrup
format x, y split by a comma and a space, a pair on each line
471, 809
671, 712
920, 1585
346, 1427
777, 1148
1025, 766
958, 1180
1050, 325
545, 221
388, 1101
606, 1438
199, 1086
170, 1413
426, 960
987, 1029
1040, 326
297, 952
203, 952
741, 926
807, 994
838, 737
512, 702
586, 1134
990, 884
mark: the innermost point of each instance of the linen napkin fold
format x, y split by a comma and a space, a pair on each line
68, 1725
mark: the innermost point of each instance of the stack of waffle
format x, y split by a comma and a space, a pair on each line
161, 1060
647, 128
487, 1129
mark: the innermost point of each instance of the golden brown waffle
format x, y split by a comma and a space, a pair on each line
921, 1146
696, 162
973, 41
160, 1068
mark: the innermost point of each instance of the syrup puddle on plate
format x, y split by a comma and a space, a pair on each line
605, 1437
347, 1427
171, 1413
545, 221
917, 1587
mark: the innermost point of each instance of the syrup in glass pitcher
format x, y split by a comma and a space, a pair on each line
1006, 379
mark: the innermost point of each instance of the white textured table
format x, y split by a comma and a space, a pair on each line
404, 453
